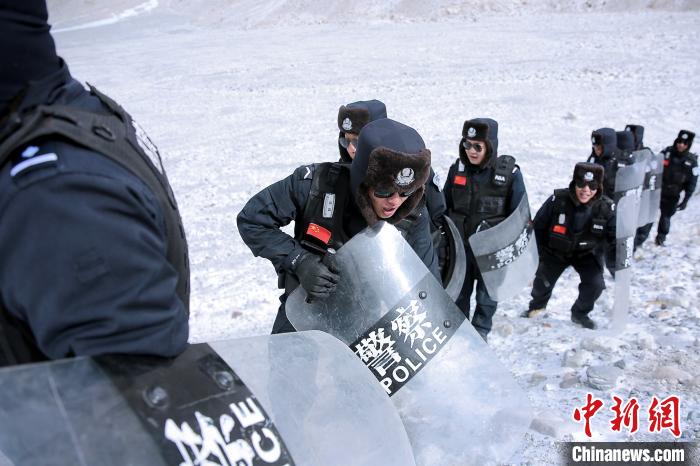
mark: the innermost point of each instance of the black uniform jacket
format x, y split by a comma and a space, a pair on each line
83, 249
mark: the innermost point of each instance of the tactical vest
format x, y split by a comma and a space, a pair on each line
484, 205
676, 175
115, 136
561, 237
321, 225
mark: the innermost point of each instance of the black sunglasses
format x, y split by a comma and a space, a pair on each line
346, 142
387, 194
591, 184
468, 145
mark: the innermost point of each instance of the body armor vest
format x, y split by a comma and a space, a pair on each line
115, 136
561, 237
479, 206
677, 174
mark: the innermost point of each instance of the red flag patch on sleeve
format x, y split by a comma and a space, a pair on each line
319, 232
461, 180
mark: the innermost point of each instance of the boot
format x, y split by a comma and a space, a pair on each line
531, 313
583, 320
660, 240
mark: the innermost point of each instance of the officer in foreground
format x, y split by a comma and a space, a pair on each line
481, 190
331, 202
571, 228
680, 177
93, 253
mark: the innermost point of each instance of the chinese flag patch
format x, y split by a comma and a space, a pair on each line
561, 229
318, 232
461, 180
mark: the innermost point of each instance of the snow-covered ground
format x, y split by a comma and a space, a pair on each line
238, 93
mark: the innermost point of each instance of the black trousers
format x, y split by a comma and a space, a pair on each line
485, 306
669, 205
642, 234
590, 270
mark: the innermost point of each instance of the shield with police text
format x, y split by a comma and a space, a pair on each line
506, 253
651, 188
459, 404
253, 401
628, 190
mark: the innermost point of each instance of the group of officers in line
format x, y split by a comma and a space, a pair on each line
93, 253
384, 174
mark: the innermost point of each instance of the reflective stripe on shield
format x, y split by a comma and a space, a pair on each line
198, 409
507, 253
444, 381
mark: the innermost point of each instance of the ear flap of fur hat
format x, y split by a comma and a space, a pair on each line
352, 118
685, 136
393, 171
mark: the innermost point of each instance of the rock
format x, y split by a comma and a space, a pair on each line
600, 344
621, 364
550, 425
662, 314
536, 379
672, 374
603, 377
646, 342
573, 358
569, 381
504, 329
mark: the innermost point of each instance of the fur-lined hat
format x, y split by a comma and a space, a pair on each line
482, 129
638, 132
390, 157
355, 116
607, 137
584, 171
685, 136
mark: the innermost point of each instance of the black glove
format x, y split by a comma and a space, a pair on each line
683, 204
317, 278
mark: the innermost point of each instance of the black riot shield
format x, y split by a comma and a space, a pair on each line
507, 253
460, 406
628, 190
254, 401
651, 187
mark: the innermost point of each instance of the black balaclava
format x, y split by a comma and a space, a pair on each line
27, 52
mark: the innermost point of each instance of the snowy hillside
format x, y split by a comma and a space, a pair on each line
234, 109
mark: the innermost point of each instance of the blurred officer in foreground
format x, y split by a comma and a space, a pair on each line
93, 257
482, 190
332, 202
680, 177
571, 227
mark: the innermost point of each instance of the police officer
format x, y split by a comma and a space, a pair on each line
680, 177
571, 228
638, 132
94, 258
351, 119
482, 189
604, 153
331, 202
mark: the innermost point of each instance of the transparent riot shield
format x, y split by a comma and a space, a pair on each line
459, 405
628, 189
280, 400
457, 260
651, 188
507, 253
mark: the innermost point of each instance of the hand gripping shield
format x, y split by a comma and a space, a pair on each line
254, 401
628, 189
459, 405
651, 188
507, 253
